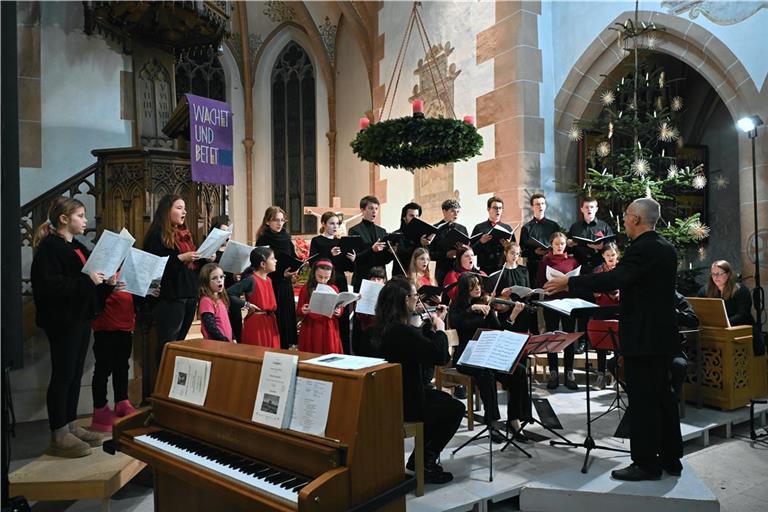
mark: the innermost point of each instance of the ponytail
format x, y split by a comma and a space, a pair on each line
62, 205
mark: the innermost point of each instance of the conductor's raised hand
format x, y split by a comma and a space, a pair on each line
557, 284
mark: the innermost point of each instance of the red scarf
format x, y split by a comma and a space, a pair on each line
184, 243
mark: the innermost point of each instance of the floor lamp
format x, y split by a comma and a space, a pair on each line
749, 126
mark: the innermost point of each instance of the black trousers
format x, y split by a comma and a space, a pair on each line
172, 319
286, 312
69, 346
442, 417
553, 320
112, 350
654, 423
515, 383
236, 321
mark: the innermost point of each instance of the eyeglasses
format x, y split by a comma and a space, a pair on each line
718, 274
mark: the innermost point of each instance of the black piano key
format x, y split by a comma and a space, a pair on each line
298, 488
282, 478
293, 482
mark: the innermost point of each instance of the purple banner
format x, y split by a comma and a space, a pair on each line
210, 137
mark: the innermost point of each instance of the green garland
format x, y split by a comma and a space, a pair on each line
417, 142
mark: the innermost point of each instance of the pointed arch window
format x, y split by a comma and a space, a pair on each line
294, 127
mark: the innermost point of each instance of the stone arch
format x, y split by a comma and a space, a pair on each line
701, 50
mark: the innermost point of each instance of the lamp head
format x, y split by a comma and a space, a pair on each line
749, 123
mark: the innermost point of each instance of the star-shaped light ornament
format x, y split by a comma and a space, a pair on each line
721, 182
651, 42
575, 133
667, 133
672, 171
608, 97
676, 104
699, 181
640, 167
603, 149
698, 231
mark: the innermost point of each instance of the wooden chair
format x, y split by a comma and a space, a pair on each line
415, 430
445, 376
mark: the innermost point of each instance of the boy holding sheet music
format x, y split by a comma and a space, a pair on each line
495, 236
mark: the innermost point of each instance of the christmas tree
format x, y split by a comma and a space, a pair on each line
638, 139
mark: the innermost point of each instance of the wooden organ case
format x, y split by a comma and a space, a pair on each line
357, 466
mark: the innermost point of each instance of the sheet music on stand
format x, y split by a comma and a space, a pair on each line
495, 350
568, 307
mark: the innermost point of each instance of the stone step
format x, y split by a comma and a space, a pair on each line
573, 491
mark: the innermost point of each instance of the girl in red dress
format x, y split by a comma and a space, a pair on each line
465, 262
260, 325
318, 333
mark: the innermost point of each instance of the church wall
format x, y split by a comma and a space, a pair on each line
74, 123
353, 100
458, 24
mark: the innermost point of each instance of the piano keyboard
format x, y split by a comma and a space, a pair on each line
247, 471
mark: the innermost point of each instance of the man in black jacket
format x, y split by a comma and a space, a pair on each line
376, 253
490, 250
441, 253
536, 230
649, 339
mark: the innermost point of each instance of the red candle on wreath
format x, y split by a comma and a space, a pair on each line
469, 119
418, 106
364, 123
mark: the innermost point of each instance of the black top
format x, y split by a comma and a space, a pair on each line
62, 293
509, 277
413, 348
281, 244
367, 258
322, 245
466, 322
588, 258
541, 231
738, 307
179, 281
646, 276
438, 249
686, 316
490, 255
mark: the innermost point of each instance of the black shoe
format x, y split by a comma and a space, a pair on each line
634, 473
570, 381
460, 392
580, 348
435, 474
553, 381
674, 468
498, 438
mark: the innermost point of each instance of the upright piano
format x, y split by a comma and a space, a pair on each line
214, 458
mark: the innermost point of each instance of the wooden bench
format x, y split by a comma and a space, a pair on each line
95, 477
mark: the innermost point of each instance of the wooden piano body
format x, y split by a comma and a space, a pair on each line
360, 457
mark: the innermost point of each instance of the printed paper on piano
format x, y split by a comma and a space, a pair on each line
311, 406
552, 273
190, 380
345, 362
277, 385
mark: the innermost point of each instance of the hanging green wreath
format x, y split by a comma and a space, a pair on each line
417, 142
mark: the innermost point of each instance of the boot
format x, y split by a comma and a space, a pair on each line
554, 380
124, 408
92, 438
600, 382
460, 392
103, 418
570, 380
64, 444
433, 471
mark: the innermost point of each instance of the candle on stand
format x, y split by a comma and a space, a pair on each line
418, 106
364, 123
469, 119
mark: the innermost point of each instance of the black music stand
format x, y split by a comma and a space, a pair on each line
589, 442
605, 336
542, 344
490, 429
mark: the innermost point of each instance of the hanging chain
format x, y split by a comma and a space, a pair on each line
431, 56
398, 68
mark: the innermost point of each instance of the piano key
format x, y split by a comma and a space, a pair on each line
246, 471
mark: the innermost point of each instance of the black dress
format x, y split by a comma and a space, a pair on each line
281, 244
526, 321
323, 245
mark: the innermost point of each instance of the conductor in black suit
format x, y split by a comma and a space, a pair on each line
375, 253
649, 340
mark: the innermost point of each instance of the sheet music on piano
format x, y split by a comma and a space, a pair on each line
190, 380
277, 386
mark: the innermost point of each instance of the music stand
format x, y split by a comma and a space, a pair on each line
604, 335
585, 312
490, 429
542, 344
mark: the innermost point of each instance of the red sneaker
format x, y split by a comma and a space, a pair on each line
124, 408
103, 418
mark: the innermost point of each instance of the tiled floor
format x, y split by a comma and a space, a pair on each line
735, 470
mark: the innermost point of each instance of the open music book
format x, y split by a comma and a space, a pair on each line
213, 242
277, 387
566, 306
236, 257
603, 239
552, 273
369, 296
109, 252
325, 300
496, 350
